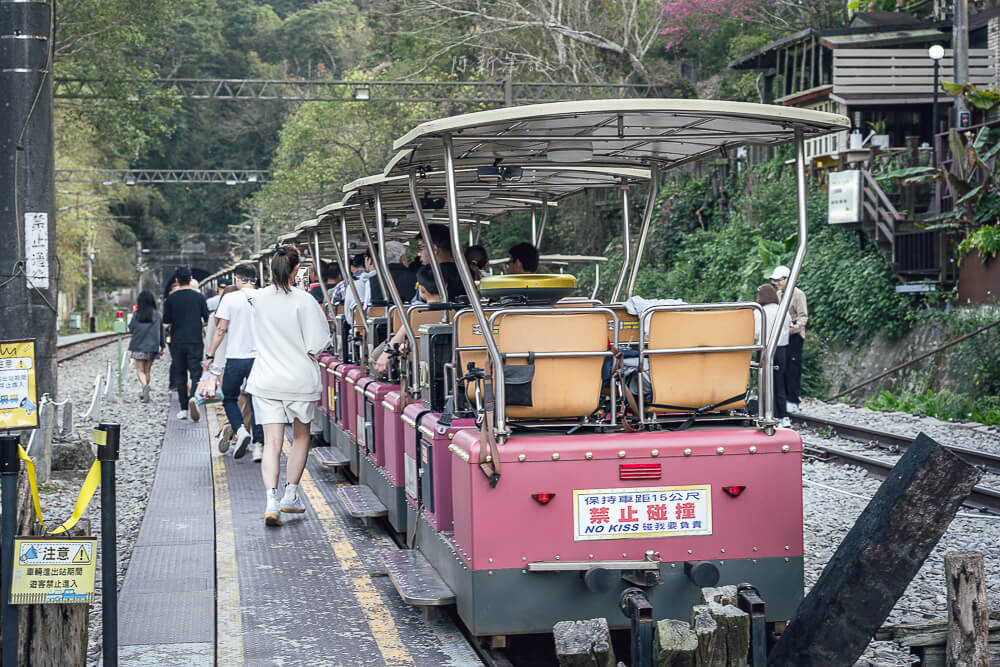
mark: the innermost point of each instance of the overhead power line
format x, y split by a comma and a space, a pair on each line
490, 93
144, 176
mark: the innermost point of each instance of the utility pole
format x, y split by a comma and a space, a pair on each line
91, 324
29, 294
960, 53
138, 267
256, 234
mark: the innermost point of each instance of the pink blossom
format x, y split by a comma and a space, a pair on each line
686, 19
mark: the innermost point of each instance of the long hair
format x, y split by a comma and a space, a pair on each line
145, 306
766, 294
284, 262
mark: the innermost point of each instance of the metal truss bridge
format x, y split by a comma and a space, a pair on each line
487, 93
147, 176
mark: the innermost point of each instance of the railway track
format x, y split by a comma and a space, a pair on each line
982, 497
75, 349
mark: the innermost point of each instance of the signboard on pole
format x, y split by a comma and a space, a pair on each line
18, 391
53, 570
844, 202
36, 249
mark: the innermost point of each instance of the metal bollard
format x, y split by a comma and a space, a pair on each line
9, 465
750, 601
640, 612
107, 454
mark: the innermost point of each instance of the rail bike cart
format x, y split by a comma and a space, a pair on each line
564, 495
562, 262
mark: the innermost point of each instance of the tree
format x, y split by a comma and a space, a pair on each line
552, 40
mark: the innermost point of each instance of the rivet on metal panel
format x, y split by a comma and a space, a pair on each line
524, 572
524, 558
557, 557
785, 449
787, 548
723, 550
786, 560
690, 551
490, 573
522, 458
720, 450
588, 455
451, 436
673, 565
754, 561
555, 456
655, 453
756, 549
491, 560
624, 555
687, 452
753, 449
591, 555
621, 454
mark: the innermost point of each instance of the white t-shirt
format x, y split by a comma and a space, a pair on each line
287, 327
235, 308
771, 313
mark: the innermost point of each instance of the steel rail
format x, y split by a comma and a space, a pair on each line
68, 351
886, 440
981, 498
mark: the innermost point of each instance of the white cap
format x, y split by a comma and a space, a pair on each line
780, 272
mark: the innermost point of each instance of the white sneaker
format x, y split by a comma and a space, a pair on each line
792, 407
272, 513
291, 502
786, 422
256, 452
242, 441
223, 438
183, 414
193, 410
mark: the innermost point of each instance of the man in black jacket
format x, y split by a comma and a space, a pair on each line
405, 280
186, 313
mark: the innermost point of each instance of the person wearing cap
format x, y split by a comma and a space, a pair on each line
213, 301
186, 313
799, 315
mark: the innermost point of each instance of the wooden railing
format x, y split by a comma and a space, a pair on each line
881, 212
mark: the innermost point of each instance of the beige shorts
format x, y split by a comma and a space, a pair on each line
275, 411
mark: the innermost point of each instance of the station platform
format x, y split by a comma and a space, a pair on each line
69, 339
209, 583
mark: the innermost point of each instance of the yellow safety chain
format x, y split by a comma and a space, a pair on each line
90, 484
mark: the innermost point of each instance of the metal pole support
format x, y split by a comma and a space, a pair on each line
107, 454
8, 478
750, 601
640, 612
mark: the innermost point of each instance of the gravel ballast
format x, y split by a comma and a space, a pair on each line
142, 428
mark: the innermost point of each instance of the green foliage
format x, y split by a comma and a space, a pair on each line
945, 405
985, 239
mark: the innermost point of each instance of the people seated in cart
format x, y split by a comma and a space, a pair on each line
441, 239
479, 261
429, 293
523, 259
402, 276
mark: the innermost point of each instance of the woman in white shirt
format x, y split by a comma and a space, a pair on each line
768, 298
289, 329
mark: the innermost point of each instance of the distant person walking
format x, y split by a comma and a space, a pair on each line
186, 312
148, 339
768, 298
233, 323
799, 315
290, 329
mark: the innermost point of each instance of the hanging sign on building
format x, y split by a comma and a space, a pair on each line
844, 203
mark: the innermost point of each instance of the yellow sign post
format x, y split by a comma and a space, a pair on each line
53, 570
18, 391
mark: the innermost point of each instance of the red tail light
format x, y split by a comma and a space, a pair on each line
639, 471
543, 498
733, 490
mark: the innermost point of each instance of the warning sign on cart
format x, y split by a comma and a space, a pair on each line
51, 570
664, 511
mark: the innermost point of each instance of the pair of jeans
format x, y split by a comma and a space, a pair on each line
236, 372
185, 359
